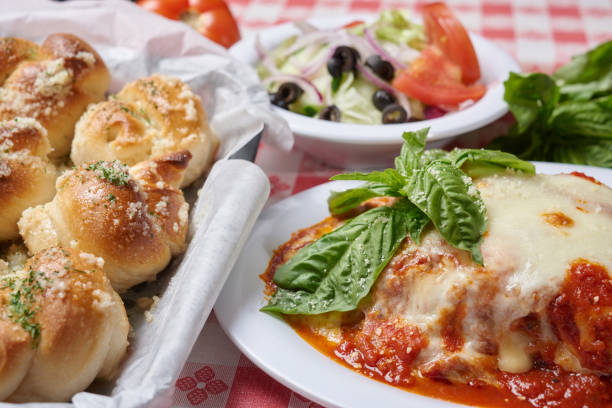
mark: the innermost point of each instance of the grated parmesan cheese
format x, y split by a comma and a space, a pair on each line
149, 313
92, 259
133, 208
54, 80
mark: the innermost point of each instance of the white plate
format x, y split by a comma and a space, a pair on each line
273, 346
351, 145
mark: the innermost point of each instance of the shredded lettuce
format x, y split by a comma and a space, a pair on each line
395, 26
352, 95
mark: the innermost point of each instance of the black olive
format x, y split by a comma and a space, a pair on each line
334, 67
380, 67
347, 57
394, 114
330, 112
381, 99
288, 92
280, 104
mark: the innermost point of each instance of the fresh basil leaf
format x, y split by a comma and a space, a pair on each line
480, 162
588, 90
338, 270
590, 152
530, 97
452, 202
390, 177
417, 220
587, 75
412, 150
432, 155
585, 118
531, 145
343, 201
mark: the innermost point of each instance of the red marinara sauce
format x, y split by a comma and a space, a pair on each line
584, 176
582, 314
385, 350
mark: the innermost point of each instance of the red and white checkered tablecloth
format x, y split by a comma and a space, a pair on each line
541, 34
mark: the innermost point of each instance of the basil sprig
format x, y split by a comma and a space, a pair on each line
566, 117
338, 270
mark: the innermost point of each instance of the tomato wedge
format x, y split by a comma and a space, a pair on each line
435, 80
445, 31
211, 18
353, 23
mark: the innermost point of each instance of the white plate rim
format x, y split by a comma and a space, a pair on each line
490, 108
239, 321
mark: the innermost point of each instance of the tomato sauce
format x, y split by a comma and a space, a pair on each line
582, 314
584, 176
545, 386
451, 328
385, 350
382, 349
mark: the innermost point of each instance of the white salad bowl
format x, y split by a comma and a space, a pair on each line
368, 146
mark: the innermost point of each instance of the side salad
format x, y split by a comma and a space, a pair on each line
431, 186
389, 71
566, 117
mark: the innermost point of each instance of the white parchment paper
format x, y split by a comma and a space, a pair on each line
135, 43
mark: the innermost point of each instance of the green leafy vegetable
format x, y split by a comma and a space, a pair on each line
587, 75
448, 197
412, 151
566, 117
390, 177
479, 162
341, 202
22, 306
338, 270
395, 26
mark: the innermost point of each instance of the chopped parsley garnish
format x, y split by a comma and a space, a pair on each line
114, 172
111, 197
22, 307
152, 86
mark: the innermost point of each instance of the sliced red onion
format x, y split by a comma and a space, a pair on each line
265, 57
313, 68
375, 79
404, 103
317, 37
402, 100
381, 51
361, 45
304, 83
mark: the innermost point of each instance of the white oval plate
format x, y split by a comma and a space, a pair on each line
273, 346
352, 145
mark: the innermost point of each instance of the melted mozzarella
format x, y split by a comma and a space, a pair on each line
526, 258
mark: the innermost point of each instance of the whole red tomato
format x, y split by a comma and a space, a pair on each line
212, 18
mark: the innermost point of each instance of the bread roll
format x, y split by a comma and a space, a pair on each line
27, 178
150, 117
135, 222
61, 326
52, 83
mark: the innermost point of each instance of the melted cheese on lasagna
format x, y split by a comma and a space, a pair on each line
543, 296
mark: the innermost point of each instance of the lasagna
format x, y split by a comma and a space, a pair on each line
532, 326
